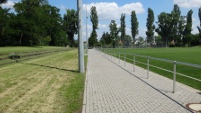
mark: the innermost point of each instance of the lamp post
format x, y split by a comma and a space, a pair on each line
81, 47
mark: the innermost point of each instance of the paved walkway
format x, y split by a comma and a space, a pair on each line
112, 88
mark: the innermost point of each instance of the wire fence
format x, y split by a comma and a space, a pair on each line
144, 61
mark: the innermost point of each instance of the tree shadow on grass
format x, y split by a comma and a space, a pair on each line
74, 71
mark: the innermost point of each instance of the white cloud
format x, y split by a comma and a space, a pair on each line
102, 26
112, 11
194, 26
62, 7
108, 11
188, 3
8, 4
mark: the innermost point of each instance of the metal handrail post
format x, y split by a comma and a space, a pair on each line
114, 56
111, 55
119, 57
147, 67
174, 75
124, 60
134, 63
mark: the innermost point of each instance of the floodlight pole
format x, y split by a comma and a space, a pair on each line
81, 47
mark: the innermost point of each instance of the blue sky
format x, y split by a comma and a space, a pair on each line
111, 10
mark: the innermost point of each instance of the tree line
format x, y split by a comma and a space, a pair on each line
36, 22
173, 29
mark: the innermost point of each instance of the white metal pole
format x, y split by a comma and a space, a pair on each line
81, 47
134, 63
174, 76
119, 58
148, 67
86, 29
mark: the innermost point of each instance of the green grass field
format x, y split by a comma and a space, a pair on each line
27, 52
46, 84
188, 55
7, 50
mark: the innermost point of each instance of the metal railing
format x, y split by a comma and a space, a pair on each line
123, 56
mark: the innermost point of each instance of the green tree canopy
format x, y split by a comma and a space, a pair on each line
34, 22
134, 25
199, 27
164, 27
114, 32
150, 26
94, 19
71, 25
123, 27
3, 1
4, 25
106, 39
176, 16
188, 28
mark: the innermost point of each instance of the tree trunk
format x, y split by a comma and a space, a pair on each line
71, 39
20, 41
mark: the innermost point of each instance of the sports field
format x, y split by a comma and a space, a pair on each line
44, 84
188, 55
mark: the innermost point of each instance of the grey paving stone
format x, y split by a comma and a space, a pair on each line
111, 88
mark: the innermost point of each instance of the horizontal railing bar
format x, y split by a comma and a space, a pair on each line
189, 64
189, 77
129, 59
126, 57
161, 68
161, 59
140, 62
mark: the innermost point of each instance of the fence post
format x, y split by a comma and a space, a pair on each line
111, 55
147, 67
119, 57
134, 63
124, 60
114, 56
174, 75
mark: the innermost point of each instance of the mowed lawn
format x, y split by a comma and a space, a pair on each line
48, 84
6, 50
188, 55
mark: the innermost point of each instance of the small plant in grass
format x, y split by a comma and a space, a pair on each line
14, 56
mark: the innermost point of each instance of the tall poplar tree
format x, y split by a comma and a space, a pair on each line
94, 21
134, 25
150, 26
188, 28
123, 28
113, 32
199, 27
176, 16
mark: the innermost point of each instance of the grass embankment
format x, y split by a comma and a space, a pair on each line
189, 55
18, 49
26, 52
49, 84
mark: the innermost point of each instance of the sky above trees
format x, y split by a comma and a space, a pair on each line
111, 10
